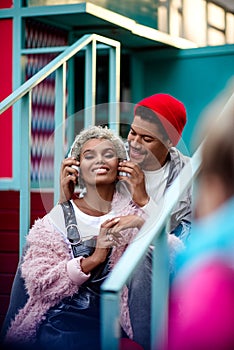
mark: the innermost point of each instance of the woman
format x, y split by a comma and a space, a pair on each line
71, 250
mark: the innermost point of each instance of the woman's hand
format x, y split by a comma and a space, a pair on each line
68, 178
108, 237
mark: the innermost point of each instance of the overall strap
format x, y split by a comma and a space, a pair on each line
73, 233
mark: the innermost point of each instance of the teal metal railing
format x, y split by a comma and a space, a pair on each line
23, 95
152, 233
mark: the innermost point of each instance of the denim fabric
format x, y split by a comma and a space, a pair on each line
182, 231
18, 299
139, 299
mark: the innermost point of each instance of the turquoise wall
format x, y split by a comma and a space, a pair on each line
195, 76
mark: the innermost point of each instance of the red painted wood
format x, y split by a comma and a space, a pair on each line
9, 200
6, 88
4, 302
6, 283
41, 203
8, 262
6, 4
9, 220
9, 242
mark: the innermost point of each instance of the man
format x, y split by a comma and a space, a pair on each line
154, 164
154, 161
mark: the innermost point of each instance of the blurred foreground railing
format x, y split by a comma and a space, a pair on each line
152, 233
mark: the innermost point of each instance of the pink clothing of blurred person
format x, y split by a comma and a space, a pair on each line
201, 312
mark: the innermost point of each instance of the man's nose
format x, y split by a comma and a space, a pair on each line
136, 141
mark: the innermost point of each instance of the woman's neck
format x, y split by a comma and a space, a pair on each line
97, 200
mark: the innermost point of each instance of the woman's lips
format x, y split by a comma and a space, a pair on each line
100, 171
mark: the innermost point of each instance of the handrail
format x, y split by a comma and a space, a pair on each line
52, 66
23, 94
153, 232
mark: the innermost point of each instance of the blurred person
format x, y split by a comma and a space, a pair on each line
202, 295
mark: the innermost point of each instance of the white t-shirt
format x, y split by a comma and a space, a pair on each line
88, 225
156, 181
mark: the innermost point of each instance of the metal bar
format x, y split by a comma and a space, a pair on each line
51, 67
25, 161
59, 130
114, 88
53, 49
110, 311
55, 10
34, 11
90, 84
105, 40
45, 72
71, 103
38, 50
17, 80
160, 289
8, 184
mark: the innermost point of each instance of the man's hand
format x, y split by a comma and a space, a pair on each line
105, 241
124, 222
68, 178
136, 180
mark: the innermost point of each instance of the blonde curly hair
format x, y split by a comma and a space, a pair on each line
98, 132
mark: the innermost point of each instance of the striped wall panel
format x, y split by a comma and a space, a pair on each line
38, 35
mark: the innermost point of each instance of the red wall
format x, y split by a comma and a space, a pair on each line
6, 3
5, 90
41, 203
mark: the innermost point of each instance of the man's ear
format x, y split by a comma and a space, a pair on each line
169, 143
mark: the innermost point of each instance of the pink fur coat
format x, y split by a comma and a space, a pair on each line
44, 270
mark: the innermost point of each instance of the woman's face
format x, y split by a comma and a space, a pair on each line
98, 162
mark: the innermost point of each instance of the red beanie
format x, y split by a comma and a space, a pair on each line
170, 111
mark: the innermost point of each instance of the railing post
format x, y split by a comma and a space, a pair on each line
70, 103
110, 331
114, 88
90, 84
160, 287
25, 162
59, 129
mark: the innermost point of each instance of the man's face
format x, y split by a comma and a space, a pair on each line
146, 144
